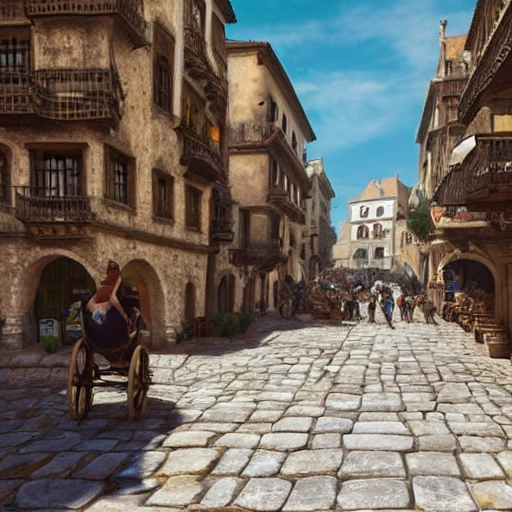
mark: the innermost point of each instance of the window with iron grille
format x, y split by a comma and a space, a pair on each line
14, 50
163, 66
120, 177
56, 173
163, 194
193, 198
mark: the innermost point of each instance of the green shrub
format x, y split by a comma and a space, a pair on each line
50, 343
185, 333
230, 324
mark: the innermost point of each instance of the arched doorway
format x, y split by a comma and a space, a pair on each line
63, 282
190, 303
467, 275
226, 294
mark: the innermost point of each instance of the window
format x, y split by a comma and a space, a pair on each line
193, 198
380, 211
275, 221
363, 211
245, 228
120, 177
163, 195
362, 232
294, 142
284, 124
272, 110
379, 253
274, 173
15, 50
163, 63
361, 254
4, 178
377, 231
56, 173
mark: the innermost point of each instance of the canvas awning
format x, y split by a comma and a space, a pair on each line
461, 151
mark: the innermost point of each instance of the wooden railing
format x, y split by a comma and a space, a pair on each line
130, 11
261, 256
194, 40
11, 9
75, 94
16, 92
246, 133
33, 208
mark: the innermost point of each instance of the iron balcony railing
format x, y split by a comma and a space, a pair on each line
32, 206
131, 12
16, 92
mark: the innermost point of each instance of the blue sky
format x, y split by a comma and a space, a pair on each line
361, 70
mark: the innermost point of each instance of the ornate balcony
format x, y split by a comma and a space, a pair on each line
202, 159
265, 257
16, 92
53, 217
483, 180
222, 230
129, 13
77, 94
278, 197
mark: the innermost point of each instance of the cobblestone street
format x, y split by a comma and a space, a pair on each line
314, 418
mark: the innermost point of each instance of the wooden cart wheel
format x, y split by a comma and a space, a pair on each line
138, 382
80, 381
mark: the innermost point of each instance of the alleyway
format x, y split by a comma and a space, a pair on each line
314, 418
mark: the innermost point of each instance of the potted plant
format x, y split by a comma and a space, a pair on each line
50, 343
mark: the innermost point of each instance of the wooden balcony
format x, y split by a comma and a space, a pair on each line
128, 13
279, 197
201, 157
77, 94
221, 230
264, 257
16, 92
53, 217
250, 133
483, 181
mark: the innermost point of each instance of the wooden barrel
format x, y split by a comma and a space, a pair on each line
499, 346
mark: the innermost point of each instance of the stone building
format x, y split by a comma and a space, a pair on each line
374, 232
112, 146
471, 205
268, 135
439, 132
319, 236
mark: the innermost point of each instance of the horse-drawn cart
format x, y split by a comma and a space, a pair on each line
115, 333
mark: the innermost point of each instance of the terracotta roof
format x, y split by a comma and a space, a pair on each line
455, 47
386, 188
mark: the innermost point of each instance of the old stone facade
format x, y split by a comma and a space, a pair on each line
471, 204
319, 236
268, 134
374, 233
112, 146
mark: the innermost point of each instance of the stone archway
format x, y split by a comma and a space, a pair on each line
143, 283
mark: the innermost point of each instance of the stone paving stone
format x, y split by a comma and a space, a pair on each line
235, 440
64, 442
454, 393
480, 466
283, 441
189, 461
101, 467
476, 429
177, 491
15, 466
142, 465
332, 424
379, 416
442, 494
386, 402
264, 494
480, 444
343, 401
232, 461
275, 396
383, 442
222, 492
57, 493
8, 487
505, 460
237, 412
380, 427
254, 428
372, 464
188, 439
313, 411
425, 428
293, 424
264, 463
438, 443
265, 415
373, 494
432, 464
312, 494
326, 441
312, 462
496, 495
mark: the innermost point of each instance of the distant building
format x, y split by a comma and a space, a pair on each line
319, 236
372, 236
